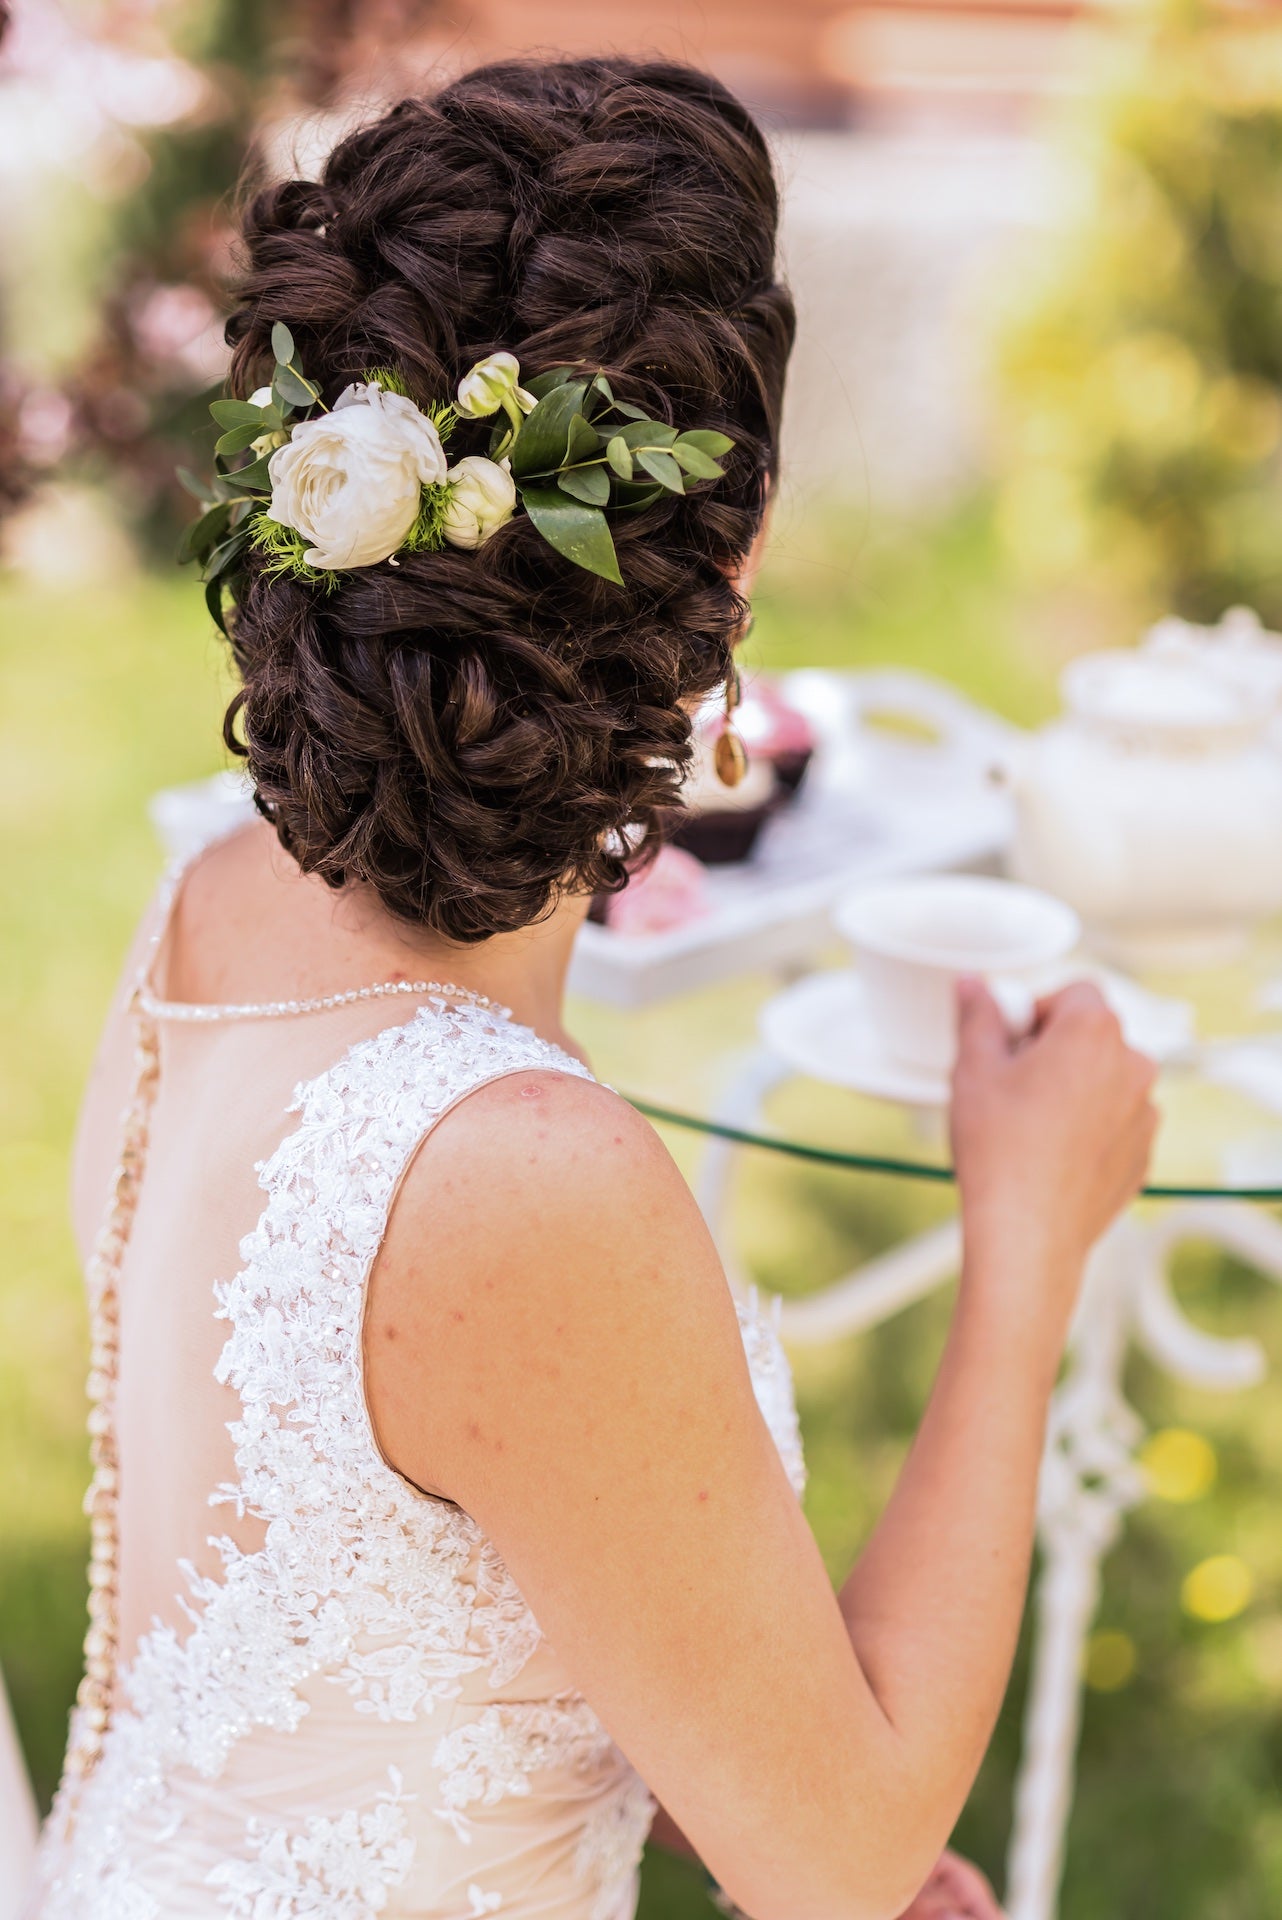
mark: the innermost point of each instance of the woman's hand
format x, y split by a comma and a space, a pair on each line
1051, 1137
955, 1891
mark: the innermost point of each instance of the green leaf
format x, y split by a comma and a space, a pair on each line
255, 478
203, 535
661, 467
617, 453
291, 390
589, 484
283, 344
695, 461
602, 386
708, 441
543, 383
646, 433
214, 601
198, 489
238, 413
578, 532
631, 496
222, 557
542, 445
629, 413
584, 441
238, 438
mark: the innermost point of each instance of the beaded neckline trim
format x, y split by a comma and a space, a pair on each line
205, 1011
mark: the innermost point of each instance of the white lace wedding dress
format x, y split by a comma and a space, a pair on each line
340, 1705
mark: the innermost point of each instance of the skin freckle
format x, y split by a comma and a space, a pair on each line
703, 1493
532, 1091
457, 1313
473, 1429
389, 1333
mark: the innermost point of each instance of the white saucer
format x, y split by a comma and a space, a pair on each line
822, 1028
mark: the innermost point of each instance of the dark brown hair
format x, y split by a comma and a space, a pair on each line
467, 733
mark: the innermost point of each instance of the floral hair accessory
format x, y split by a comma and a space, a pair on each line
319, 492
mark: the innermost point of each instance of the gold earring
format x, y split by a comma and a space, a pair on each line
730, 756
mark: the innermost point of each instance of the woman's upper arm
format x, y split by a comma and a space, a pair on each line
551, 1342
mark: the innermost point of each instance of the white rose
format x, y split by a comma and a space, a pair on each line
261, 397
349, 481
493, 383
482, 499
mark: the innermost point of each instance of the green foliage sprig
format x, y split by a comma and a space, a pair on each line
234, 501
572, 462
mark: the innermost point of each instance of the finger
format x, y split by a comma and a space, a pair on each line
967, 1885
1078, 997
963, 1877
982, 1032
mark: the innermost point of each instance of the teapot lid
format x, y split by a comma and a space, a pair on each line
1171, 698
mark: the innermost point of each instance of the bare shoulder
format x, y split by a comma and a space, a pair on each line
544, 1243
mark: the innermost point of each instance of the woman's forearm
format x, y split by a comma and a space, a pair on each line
934, 1605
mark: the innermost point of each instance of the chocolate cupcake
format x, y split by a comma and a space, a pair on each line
720, 824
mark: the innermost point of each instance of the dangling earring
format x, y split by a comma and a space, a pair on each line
730, 756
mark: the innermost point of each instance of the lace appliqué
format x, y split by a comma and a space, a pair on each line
493, 1756
340, 1869
609, 1854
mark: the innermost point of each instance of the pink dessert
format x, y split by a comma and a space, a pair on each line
665, 895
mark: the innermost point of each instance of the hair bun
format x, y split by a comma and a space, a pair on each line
470, 733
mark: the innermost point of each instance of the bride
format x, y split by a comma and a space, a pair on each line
445, 1520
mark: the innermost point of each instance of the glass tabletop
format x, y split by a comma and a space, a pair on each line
697, 1063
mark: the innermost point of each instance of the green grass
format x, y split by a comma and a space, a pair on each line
106, 696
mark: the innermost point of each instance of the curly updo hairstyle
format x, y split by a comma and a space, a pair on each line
471, 733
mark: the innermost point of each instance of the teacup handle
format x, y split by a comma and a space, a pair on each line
1018, 1002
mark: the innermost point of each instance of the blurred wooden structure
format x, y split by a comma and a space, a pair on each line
831, 63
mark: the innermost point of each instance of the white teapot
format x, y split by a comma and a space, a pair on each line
1154, 807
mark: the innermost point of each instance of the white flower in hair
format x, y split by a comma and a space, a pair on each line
493, 383
349, 481
482, 499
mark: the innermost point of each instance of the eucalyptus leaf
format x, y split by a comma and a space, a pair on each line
584, 441
255, 478
222, 557
292, 390
661, 467
214, 601
577, 531
629, 413
238, 413
708, 441
602, 386
283, 344
543, 442
542, 383
646, 433
590, 484
619, 456
203, 535
701, 465
238, 438
631, 495
198, 489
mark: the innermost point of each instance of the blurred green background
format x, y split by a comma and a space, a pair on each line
1129, 467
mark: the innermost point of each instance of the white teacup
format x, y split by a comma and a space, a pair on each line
914, 939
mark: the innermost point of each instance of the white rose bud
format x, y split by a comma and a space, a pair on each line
350, 481
493, 383
261, 397
482, 499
